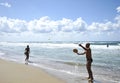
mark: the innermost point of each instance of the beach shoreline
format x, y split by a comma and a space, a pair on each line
13, 72
59, 61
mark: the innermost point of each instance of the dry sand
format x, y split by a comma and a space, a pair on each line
11, 72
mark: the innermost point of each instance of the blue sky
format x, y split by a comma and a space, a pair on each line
62, 20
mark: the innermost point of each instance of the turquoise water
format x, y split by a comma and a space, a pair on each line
58, 59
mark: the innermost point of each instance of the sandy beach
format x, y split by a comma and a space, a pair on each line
12, 72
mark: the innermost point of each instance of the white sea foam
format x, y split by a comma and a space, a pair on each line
57, 70
1, 53
105, 47
58, 45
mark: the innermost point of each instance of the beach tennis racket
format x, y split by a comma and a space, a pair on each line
75, 50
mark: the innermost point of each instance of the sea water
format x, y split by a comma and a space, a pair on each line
57, 58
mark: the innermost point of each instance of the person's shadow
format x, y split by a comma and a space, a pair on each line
94, 81
90, 81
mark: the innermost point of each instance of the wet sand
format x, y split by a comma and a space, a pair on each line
12, 72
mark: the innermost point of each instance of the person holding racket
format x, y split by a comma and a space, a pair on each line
88, 58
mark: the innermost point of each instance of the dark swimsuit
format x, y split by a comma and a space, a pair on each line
89, 60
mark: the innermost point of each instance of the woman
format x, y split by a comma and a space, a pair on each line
27, 51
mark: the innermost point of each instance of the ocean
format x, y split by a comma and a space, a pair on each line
58, 59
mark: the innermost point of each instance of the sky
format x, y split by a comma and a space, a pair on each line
59, 20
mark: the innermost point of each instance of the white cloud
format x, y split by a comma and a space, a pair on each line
108, 26
46, 25
118, 9
6, 4
8, 25
43, 25
61, 29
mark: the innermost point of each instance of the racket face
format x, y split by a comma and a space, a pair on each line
75, 50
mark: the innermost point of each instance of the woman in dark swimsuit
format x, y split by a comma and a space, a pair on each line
27, 51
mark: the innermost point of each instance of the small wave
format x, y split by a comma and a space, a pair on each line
46, 45
94, 45
57, 70
74, 63
1, 53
